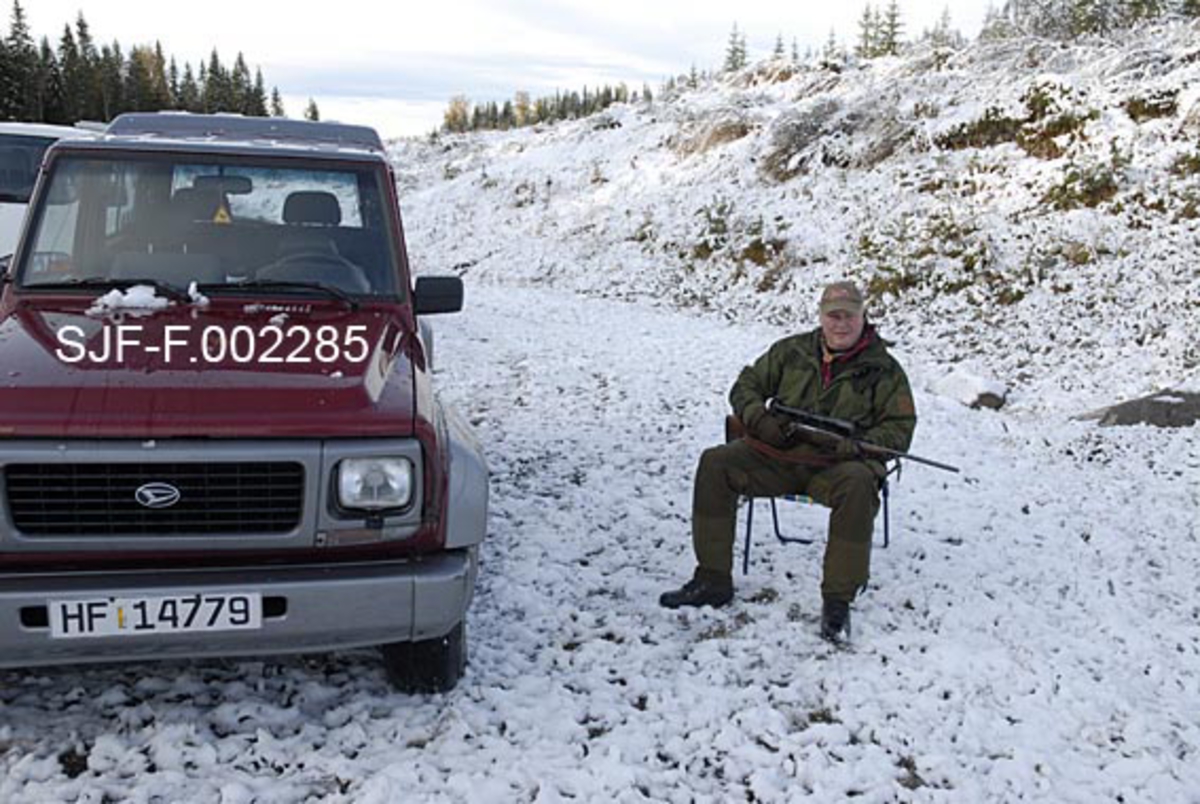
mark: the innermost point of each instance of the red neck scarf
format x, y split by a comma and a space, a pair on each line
828, 358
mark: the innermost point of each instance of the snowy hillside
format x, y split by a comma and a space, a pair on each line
1031, 634
1057, 254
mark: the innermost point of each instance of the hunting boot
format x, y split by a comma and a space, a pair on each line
835, 620
706, 588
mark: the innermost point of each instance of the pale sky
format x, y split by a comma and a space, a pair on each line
395, 66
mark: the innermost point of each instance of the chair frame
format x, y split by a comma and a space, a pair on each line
883, 492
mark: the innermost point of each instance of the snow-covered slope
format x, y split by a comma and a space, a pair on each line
746, 195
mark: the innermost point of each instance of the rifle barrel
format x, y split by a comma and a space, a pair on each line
895, 453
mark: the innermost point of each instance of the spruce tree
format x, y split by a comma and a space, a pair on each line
160, 86
311, 112
173, 84
277, 103
188, 99
831, 53
8, 92
240, 88
218, 87
51, 103
73, 80
865, 49
91, 99
891, 30
111, 75
778, 52
735, 52
943, 34
20, 96
136, 88
258, 96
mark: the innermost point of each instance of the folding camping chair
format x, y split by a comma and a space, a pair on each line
804, 498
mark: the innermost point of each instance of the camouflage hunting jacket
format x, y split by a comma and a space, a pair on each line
867, 388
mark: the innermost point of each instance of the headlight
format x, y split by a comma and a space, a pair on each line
375, 483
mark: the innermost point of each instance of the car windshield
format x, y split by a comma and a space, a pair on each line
225, 223
20, 156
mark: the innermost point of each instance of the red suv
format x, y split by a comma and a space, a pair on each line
218, 430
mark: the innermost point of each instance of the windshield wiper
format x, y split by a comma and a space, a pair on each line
283, 284
106, 283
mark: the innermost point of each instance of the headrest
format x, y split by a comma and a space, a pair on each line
312, 207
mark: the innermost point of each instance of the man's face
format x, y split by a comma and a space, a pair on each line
841, 329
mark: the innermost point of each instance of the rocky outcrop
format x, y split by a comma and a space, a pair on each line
1164, 409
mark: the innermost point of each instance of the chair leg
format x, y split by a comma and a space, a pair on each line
749, 530
887, 537
775, 523
779, 535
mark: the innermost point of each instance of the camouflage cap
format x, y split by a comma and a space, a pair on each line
842, 296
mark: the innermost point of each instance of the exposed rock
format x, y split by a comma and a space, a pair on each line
971, 390
700, 137
1164, 409
988, 400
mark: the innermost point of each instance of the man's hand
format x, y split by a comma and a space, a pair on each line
844, 449
826, 442
848, 450
770, 428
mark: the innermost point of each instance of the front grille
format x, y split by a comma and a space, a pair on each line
82, 499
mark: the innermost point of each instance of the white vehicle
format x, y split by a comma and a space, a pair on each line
21, 149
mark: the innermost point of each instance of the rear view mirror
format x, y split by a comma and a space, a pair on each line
230, 185
438, 294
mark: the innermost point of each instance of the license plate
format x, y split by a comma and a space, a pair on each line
167, 614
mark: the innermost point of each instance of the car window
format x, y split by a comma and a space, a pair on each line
20, 157
216, 221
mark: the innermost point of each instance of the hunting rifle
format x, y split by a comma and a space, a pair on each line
842, 430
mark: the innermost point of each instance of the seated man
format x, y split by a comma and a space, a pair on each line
843, 370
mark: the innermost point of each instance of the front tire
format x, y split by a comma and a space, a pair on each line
428, 665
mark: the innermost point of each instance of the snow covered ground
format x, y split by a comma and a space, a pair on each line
1033, 632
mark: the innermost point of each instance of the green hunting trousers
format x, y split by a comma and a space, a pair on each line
850, 489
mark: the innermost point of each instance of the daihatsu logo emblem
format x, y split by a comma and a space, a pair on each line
157, 495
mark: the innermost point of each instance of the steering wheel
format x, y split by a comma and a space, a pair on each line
318, 266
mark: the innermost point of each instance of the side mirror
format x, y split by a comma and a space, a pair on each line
438, 294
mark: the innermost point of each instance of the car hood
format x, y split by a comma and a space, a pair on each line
346, 388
